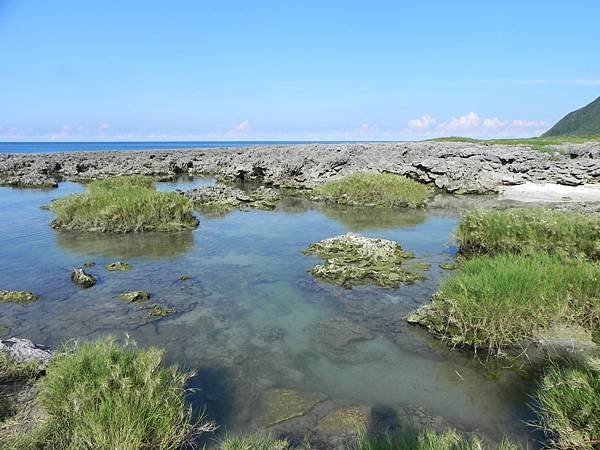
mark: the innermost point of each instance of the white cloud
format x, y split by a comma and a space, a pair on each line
494, 123
242, 127
422, 122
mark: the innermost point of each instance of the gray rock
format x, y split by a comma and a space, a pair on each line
452, 166
24, 351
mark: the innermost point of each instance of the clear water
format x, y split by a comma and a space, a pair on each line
56, 147
248, 277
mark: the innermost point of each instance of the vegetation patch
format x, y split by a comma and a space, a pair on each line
544, 144
502, 301
352, 259
375, 189
105, 396
21, 297
253, 442
568, 400
123, 205
425, 440
527, 231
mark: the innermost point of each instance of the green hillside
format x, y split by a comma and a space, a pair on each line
582, 122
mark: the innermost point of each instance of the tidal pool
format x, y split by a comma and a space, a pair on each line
251, 319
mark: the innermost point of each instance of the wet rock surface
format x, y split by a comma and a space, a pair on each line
82, 278
225, 198
352, 259
118, 266
21, 297
452, 166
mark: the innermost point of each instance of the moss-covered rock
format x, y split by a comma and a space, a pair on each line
82, 278
135, 296
21, 297
221, 198
118, 266
352, 259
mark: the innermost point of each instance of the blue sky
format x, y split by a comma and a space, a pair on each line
297, 70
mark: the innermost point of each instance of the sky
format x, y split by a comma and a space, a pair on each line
74, 70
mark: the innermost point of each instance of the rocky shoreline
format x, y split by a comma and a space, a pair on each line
455, 167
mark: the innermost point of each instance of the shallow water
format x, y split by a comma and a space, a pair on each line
251, 318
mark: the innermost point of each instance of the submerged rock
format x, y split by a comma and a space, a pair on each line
24, 351
226, 198
3, 329
344, 420
82, 278
352, 259
449, 266
279, 405
118, 266
336, 338
18, 297
135, 296
89, 264
159, 311
185, 277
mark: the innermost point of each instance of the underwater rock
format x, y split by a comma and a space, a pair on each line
135, 296
24, 351
159, 311
185, 277
18, 297
335, 338
271, 334
3, 329
279, 405
344, 420
449, 266
89, 264
226, 198
352, 259
83, 279
565, 339
118, 266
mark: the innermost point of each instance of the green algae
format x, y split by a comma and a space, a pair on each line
351, 260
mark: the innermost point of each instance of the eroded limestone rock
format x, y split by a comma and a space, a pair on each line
135, 296
82, 278
352, 259
24, 351
225, 198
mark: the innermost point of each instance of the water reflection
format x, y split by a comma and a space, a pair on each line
126, 246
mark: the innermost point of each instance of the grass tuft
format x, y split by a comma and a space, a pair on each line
375, 189
105, 396
427, 440
568, 399
527, 231
500, 301
257, 441
123, 205
542, 144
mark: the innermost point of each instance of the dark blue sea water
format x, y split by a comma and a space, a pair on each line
55, 147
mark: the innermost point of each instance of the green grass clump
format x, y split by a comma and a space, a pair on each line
106, 396
568, 399
123, 205
375, 189
253, 442
496, 302
427, 440
527, 231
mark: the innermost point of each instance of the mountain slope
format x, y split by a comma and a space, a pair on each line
582, 122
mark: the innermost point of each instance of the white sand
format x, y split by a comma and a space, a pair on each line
532, 192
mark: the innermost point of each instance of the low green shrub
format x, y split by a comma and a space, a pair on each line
568, 399
375, 189
122, 205
106, 396
526, 231
500, 301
